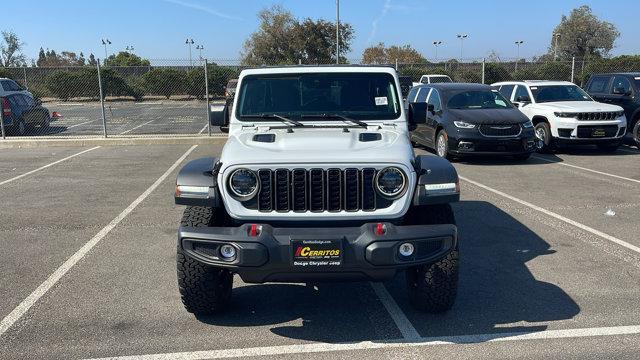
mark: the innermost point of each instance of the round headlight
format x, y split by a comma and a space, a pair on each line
243, 183
391, 182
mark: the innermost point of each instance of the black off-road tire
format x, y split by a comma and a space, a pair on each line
636, 134
433, 288
204, 289
544, 129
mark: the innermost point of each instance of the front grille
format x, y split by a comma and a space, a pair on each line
500, 130
318, 190
597, 116
591, 131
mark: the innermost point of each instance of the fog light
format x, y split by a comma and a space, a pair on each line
465, 145
228, 251
406, 249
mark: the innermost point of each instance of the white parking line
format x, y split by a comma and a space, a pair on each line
557, 216
47, 166
389, 344
203, 129
27, 303
409, 333
137, 127
587, 169
86, 122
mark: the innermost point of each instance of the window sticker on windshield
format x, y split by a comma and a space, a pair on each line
637, 78
534, 88
381, 101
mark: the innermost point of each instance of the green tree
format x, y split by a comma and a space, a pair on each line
165, 82
380, 54
582, 34
92, 60
124, 58
10, 50
283, 39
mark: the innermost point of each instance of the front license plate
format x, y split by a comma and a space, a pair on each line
598, 133
316, 253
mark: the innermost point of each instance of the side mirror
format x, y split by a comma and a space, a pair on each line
218, 114
523, 99
418, 113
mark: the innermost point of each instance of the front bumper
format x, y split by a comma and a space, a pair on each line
569, 130
470, 142
267, 255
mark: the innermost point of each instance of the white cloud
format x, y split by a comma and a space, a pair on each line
374, 25
203, 9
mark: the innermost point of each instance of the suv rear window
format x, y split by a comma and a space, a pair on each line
598, 84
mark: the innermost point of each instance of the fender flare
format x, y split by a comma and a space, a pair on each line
438, 181
196, 183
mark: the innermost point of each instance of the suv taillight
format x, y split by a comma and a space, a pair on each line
6, 108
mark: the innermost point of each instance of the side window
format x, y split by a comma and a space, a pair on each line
422, 95
4, 84
621, 85
434, 99
598, 84
520, 91
506, 91
13, 86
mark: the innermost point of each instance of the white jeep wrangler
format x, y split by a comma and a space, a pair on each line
317, 181
563, 113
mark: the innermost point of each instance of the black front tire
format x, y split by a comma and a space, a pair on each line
636, 134
433, 288
543, 132
442, 145
204, 289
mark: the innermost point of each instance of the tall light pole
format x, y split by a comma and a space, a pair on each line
200, 47
190, 42
555, 48
436, 44
518, 43
337, 31
106, 42
462, 37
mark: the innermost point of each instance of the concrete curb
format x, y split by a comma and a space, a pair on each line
112, 141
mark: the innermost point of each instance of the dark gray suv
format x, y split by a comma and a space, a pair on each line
622, 89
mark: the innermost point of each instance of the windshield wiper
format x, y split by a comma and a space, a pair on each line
336, 116
275, 116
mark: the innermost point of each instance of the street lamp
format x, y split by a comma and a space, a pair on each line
189, 42
200, 47
518, 43
106, 42
436, 44
555, 48
462, 37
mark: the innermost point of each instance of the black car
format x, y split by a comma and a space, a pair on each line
470, 119
622, 89
21, 112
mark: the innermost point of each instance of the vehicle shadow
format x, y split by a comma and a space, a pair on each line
498, 294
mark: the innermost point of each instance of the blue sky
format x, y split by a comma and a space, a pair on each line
158, 28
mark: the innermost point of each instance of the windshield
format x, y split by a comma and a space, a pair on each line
552, 93
478, 99
364, 96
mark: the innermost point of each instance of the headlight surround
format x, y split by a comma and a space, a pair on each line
564, 114
391, 182
528, 125
243, 183
463, 125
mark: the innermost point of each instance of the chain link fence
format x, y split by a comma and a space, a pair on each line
170, 97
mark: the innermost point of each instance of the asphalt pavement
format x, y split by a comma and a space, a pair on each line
550, 267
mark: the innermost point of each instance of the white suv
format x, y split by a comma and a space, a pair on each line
564, 113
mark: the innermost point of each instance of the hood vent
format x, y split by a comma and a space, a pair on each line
367, 137
264, 138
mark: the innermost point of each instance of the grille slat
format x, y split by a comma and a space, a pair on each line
500, 130
597, 116
317, 190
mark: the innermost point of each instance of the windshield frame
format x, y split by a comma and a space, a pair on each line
451, 94
535, 88
394, 95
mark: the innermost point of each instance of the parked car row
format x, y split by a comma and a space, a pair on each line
517, 118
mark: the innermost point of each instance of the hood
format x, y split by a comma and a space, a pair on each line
314, 145
578, 106
489, 116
